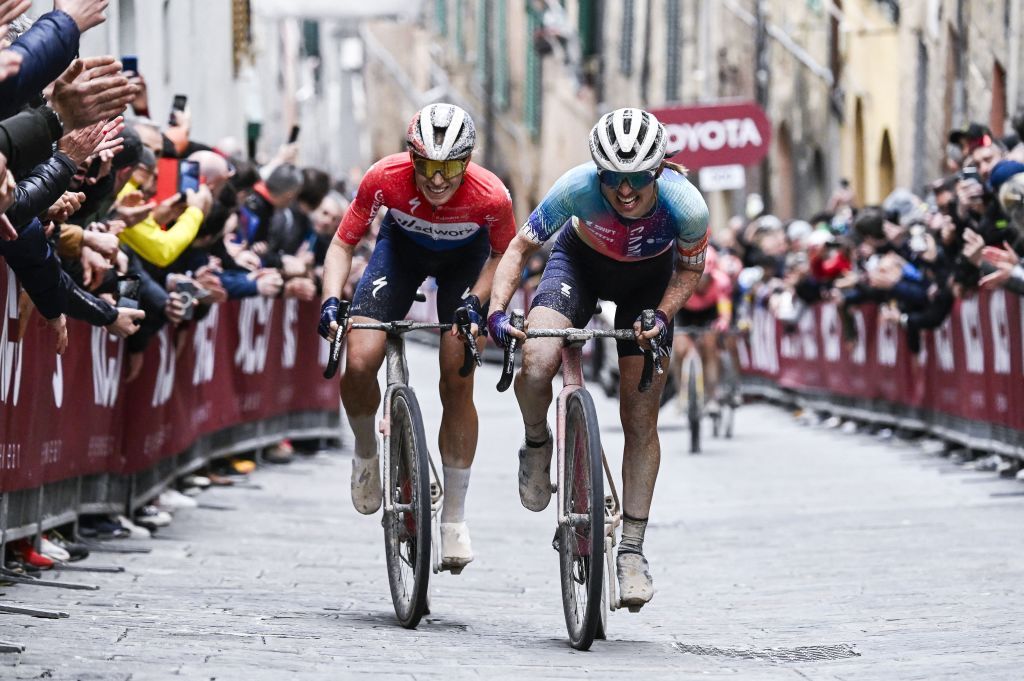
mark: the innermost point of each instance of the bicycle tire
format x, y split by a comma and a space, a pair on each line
581, 549
407, 534
693, 408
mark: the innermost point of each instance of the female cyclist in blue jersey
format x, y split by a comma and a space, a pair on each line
629, 228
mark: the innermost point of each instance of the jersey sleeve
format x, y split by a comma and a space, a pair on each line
692, 225
361, 212
502, 224
554, 211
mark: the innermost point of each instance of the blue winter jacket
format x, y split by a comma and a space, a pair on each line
46, 49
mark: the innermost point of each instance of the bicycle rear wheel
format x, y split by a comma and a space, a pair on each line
581, 540
693, 407
407, 525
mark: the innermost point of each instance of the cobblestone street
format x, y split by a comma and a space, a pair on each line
787, 553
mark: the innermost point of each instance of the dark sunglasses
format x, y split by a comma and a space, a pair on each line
637, 180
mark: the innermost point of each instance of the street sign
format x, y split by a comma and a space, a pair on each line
716, 135
722, 178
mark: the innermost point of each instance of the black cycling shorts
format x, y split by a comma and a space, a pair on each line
697, 318
576, 277
398, 266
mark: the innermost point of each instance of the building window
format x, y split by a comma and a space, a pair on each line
460, 38
626, 44
673, 60
441, 17
534, 75
482, 33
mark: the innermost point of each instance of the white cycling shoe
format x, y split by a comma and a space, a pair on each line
636, 588
366, 489
456, 549
535, 474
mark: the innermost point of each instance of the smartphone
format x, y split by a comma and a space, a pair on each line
188, 291
130, 63
94, 168
128, 291
180, 102
293, 136
188, 176
970, 173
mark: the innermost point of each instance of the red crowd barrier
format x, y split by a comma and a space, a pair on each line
967, 382
71, 416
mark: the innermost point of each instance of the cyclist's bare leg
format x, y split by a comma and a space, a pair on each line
640, 462
711, 362
457, 441
541, 359
642, 452
360, 393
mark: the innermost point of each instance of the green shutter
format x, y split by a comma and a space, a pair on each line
500, 53
587, 25
534, 81
441, 17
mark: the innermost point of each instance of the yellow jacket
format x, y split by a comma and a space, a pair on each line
160, 247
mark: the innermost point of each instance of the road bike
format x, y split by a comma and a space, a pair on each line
691, 372
412, 490
588, 521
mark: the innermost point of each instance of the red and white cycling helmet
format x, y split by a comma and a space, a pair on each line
441, 132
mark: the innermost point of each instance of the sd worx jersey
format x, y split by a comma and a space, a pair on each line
481, 203
679, 217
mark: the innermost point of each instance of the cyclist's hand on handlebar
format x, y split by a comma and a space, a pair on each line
660, 331
721, 325
329, 318
476, 318
500, 326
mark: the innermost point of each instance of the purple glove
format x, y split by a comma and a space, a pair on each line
661, 324
499, 324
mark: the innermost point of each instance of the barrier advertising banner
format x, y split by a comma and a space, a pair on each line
74, 415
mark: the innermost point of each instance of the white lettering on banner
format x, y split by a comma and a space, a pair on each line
860, 348
944, 346
1000, 320
789, 346
10, 351
165, 370
106, 367
763, 337
974, 347
50, 452
808, 334
10, 453
251, 355
734, 133
290, 346
831, 333
888, 343
205, 344
722, 178
58, 383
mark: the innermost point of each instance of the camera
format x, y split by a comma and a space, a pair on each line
970, 173
187, 290
917, 243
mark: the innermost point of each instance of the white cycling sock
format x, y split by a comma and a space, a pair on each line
633, 530
456, 484
365, 435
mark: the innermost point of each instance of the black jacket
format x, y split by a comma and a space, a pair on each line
27, 138
37, 267
36, 193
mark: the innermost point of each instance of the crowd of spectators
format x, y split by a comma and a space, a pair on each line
913, 255
92, 222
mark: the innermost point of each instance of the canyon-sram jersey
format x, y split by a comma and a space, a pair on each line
679, 217
481, 203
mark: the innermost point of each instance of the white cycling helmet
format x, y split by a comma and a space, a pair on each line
441, 132
628, 140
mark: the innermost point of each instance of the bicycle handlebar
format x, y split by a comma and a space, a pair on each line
339, 339
652, 355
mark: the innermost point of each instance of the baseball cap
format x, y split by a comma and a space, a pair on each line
1003, 171
973, 134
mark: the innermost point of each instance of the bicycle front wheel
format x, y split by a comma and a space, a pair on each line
694, 408
581, 522
407, 524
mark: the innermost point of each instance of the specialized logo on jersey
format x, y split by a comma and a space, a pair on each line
453, 231
378, 284
415, 203
566, 289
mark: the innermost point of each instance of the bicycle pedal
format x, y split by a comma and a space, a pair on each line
435, 492
634, 608
609, 503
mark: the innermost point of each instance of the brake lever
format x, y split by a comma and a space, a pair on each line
334, 358
508, 365
652, 359
472, 354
